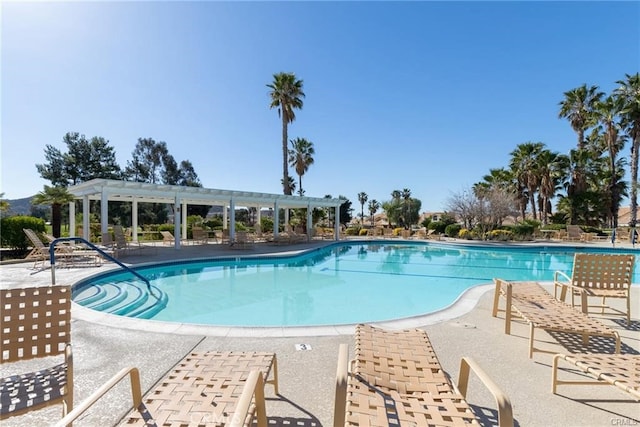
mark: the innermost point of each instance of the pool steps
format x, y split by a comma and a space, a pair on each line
128, 298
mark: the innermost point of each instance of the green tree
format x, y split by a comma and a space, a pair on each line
362, 198
300, 158
286, 95
83, 161
56, 197
629, 95
4, 204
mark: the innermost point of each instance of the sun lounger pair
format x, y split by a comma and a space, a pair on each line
542, 310
66, 254
207, 388
396, 379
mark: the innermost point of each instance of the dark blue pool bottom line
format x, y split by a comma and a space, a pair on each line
409, 274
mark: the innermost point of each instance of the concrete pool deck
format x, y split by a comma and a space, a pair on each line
105, 344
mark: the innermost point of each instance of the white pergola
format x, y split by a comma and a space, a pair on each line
107, 190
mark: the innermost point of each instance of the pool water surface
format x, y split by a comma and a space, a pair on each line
343, 283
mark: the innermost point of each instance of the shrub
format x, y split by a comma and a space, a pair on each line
353, 231
363, 232
266, 224
452, 230
12, 235
465, 234
397, 231
502, 235
522, 231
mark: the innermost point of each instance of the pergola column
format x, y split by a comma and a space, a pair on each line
276, 218
309, 224
232, 220
183, 234
337, 222
104, 212
176, 221
72, 218
85, 217
134, 220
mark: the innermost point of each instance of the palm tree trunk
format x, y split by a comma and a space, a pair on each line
634, 179
56, 217
285, 170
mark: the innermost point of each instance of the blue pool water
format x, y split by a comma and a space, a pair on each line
340, 284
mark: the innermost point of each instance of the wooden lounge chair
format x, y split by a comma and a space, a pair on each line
396, 379
210, 388
598, 275
242, 241
124, 245
36, 324
167, 238
200, 235
67, 254
541, 310
577, 234
620, 370
203, 389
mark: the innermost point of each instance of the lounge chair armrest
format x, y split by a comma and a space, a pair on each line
505, 411
560, 281
136, 395
253, 386
342, 375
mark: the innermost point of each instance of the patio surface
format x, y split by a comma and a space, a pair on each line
104, 344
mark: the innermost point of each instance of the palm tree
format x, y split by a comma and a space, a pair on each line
406, 206
56, 197
286, 95
629, 95
373, 207
524, 164
550, 168
577, 107
290, 182
362, 198
300, 158
607, 112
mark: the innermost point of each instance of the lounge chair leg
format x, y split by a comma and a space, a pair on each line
531, 338
496, 299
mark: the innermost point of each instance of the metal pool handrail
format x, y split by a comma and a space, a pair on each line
52, 258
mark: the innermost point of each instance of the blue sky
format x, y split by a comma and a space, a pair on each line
421, 95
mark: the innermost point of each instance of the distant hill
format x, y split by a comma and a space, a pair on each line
20, 206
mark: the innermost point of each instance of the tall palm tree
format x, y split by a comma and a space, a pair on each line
362, 198
524, 164
56, 197
300, 158
629, 95
406, 206
607, 112
286, 95
550, 168
577, 107
373, 207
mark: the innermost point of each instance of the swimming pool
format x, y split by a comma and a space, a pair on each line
343, 283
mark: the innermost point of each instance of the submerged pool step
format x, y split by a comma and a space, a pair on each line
130, 299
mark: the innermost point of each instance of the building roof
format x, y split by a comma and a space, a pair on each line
160, 193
